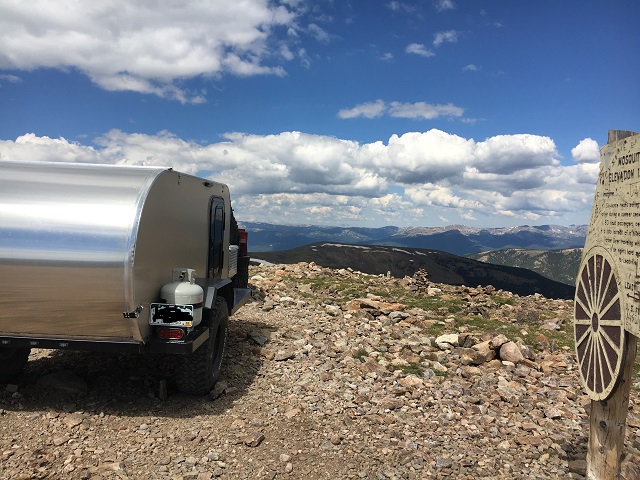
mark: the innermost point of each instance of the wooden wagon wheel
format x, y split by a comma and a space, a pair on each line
598, 325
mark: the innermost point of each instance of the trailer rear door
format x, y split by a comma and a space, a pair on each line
216, 238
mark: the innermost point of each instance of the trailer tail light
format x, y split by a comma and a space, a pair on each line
171, 333
243, 237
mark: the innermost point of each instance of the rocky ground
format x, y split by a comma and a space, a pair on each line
329, 374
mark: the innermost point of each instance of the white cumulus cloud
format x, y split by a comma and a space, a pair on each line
508, 153
587, 151
144, 46
413, 178
438, 195
418, 157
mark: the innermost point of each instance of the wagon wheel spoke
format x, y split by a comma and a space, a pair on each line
616, 346
599, 372
589, 286
606, 357
592, 365
604, 339
614, 323
587, 357
587, 311
605, 310
604, 290
585, 335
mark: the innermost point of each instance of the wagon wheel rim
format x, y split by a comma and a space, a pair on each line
598, 326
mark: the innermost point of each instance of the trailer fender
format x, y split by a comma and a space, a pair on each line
213, 288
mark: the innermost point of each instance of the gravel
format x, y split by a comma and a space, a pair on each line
313, 389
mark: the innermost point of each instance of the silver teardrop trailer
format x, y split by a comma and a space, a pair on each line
118, 258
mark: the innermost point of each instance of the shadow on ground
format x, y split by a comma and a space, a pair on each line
129, 384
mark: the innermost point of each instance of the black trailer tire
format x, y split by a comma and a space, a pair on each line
201, 370
12, 360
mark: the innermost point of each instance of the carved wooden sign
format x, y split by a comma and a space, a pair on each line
607, 300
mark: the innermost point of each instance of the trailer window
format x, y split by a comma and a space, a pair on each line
216, 237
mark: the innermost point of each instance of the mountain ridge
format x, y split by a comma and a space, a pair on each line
456, 239
441, 267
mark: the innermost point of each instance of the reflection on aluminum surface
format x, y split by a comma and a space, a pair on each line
71, 225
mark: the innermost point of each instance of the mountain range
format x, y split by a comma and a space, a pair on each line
455, 239
553, 252
441, 267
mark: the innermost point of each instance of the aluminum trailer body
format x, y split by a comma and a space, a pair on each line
85, 250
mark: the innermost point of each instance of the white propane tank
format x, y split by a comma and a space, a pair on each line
183, 291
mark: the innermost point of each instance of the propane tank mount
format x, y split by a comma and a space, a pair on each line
186, 295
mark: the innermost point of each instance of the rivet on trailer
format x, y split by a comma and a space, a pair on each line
118, 258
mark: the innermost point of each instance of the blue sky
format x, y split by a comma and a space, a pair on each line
332, 112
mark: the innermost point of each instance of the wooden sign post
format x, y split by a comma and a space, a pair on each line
607, 301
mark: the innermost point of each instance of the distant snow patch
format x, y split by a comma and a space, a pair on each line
261, 262
346, 246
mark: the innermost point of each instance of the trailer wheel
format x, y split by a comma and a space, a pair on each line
12, 360
201, 370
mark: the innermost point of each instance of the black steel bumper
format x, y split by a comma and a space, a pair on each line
196, 338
